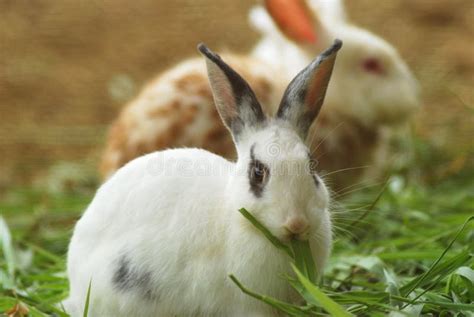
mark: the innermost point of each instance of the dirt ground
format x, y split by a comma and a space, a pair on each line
67, 67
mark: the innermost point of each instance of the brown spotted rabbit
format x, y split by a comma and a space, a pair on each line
371, 92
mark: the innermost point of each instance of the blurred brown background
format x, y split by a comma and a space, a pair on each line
68, 66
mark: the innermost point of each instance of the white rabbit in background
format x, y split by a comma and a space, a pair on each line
371, 84
372, 93
163, 233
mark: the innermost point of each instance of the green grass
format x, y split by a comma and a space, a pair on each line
404, 249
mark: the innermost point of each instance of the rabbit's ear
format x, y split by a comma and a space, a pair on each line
305, 94
234, 99
295, 20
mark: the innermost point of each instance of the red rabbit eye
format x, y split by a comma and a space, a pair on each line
372, 65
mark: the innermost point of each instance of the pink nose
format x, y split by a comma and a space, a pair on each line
296, 225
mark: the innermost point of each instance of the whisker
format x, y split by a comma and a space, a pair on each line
325, 137
342, 194
346, 169
321, 155
351, 211
371, 207
348, 187
313, 136
339, 231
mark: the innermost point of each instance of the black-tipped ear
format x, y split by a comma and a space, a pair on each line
234, 99
305, 94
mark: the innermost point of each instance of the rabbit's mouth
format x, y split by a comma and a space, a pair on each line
289, 236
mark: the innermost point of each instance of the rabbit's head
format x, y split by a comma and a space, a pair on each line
274, 176
371, 81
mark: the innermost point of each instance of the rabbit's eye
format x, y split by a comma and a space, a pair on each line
259, 172
373, 65
312, 169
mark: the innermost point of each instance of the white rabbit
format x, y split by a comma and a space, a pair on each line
371, 84
371, 91
162, 234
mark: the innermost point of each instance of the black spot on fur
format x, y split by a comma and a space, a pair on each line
126, 278
316, 180
258, 174
301, 95
336, 46
121, 275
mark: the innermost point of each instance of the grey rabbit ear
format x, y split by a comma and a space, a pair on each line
235, 101
304, 96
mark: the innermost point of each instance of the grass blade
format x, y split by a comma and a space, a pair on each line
44, 253
274, 240
304, 259
280, 305
86, 306
320, 298
410, 287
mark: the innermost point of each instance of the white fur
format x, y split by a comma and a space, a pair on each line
174, 215
163, 234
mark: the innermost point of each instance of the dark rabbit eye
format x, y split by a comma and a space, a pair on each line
313, 164
373, 65
258, 174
